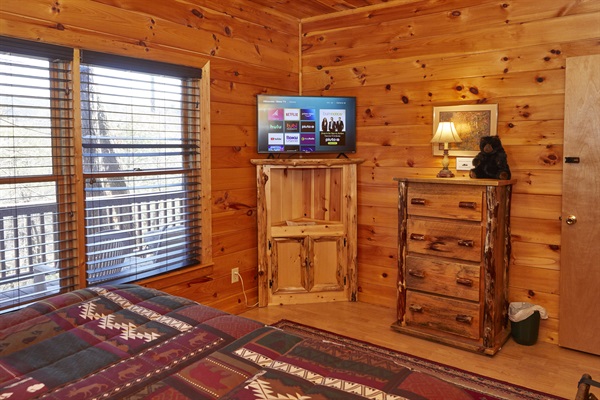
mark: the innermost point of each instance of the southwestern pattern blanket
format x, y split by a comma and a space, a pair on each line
107, 342
130, 342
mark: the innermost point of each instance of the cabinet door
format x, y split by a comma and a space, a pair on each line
289, 266
307, 269
327, 255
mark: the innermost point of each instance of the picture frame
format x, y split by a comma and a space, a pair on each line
471, 122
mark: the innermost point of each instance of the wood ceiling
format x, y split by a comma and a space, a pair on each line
310, 8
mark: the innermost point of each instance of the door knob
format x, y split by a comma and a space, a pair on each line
571, 220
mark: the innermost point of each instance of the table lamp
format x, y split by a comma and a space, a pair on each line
446, 133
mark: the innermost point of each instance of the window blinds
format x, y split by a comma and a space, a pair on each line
141, 161
38, 248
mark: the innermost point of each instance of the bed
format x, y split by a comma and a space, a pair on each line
127, 341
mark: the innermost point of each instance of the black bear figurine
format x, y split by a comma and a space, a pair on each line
491, 161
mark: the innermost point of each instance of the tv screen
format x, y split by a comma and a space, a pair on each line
305, 124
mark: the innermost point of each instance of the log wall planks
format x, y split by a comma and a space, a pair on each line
401, 60
251, 50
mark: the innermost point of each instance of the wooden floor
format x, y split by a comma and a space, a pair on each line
544, 367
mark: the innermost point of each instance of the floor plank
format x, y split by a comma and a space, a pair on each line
545, 367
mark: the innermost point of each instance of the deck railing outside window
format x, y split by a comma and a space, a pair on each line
125, 164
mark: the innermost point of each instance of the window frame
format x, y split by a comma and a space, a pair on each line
203, 174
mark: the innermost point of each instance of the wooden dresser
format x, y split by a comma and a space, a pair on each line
454, 253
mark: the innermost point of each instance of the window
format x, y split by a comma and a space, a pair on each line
36, 174
140, 161
129, 154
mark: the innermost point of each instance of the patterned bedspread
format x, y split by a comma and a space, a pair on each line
107, 342
130, 342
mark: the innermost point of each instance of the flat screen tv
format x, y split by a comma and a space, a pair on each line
305, 124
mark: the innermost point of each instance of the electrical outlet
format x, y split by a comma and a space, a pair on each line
235, 275
464, 163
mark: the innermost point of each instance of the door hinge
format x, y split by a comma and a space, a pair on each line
269, 245
270, 283
344, 242
344, 280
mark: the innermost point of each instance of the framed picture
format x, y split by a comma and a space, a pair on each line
471, 123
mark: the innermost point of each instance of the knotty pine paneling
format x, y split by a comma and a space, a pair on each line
401, 60
251, 50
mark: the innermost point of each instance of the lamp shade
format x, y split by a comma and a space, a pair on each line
446, 133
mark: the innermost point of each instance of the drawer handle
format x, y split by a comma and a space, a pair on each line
415, 308
465, 319
417, 201
417, 236
466, 243
417, 273
467, 204
464, 281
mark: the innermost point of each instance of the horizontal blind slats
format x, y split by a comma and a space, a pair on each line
37, 225
138, 224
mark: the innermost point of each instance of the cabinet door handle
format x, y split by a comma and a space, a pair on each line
465, 319
467, 204
417, 236
415, 308
464, 281
466, 243
417, 201
417, 273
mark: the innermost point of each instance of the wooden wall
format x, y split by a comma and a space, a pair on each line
401, 60
251, 50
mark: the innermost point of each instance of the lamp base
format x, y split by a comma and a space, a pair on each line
445, 173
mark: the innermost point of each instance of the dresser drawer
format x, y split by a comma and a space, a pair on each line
453, 316
443, 277
444, 238
453, 201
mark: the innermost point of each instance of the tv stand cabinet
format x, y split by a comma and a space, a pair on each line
307, 230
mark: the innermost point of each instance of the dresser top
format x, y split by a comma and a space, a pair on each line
458, 181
